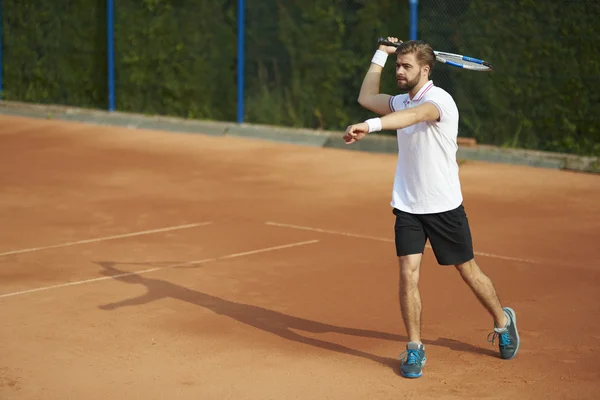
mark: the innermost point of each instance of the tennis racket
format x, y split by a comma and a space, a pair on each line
456, 60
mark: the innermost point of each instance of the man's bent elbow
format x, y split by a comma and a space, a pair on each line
365, 103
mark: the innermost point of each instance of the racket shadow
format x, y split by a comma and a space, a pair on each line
270, 321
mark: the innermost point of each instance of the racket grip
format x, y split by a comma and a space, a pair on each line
385, 42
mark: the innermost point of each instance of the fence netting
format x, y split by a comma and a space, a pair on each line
54, 52
305, 61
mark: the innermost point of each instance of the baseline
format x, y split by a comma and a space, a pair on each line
185, 264
105, 238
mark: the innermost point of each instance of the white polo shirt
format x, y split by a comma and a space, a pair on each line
427, 179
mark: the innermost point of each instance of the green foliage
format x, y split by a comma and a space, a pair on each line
176, 58
545, 55
52, 55
305, 61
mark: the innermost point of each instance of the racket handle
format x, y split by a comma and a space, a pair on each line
385, 42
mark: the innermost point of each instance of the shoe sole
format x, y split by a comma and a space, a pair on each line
412, 375
513, 317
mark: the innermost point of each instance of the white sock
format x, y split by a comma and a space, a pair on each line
505, 328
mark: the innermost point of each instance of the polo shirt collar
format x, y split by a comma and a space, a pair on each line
421, 92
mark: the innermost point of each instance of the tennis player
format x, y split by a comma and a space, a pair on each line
427, 197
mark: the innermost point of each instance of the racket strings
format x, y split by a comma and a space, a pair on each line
459, 60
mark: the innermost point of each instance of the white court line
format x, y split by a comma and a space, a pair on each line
78, 282
308, 228
189, 263
102, 239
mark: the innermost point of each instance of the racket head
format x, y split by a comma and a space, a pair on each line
455, 60
460, 61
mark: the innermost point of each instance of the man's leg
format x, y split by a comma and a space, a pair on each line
505, 319
410, 298
484, 289
410, 241
450, 237
410, 305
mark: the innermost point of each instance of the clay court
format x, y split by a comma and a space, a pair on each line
148, 265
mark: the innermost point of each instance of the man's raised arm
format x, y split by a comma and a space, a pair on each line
369, 96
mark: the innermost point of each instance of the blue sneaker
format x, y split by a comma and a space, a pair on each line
413, 360
508, 336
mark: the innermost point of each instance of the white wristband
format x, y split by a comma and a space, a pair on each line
374, 124
379, 58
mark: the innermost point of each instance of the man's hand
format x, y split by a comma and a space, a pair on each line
356, 132
390, 49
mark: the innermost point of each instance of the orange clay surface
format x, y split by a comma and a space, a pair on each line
149, 265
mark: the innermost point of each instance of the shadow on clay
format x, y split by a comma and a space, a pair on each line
266, 320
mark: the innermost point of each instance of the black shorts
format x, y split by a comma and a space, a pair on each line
448, 232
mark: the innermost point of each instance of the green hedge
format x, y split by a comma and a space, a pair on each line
305, 61
176, 58
542, 94
54, 52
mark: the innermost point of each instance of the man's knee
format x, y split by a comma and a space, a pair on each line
468, 270
409, 267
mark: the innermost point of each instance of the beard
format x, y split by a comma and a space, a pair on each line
409, 85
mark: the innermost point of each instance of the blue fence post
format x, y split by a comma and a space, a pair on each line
240, 61
1, 62
110, 53
414, 10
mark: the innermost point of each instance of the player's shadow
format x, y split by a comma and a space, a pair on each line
266, 320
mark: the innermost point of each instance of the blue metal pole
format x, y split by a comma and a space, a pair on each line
414, 6
240, 62
1, 63
111, 53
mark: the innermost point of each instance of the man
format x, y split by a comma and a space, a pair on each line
427, 197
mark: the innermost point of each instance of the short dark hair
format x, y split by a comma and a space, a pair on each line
422, 50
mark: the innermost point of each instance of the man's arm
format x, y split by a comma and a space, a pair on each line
410, 116
369, 96
396, 120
